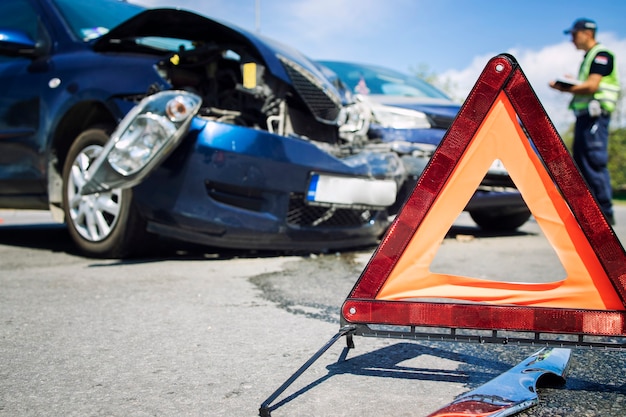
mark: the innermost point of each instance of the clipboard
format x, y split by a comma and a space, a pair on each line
566, 82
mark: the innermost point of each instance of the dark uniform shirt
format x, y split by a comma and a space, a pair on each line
602, 64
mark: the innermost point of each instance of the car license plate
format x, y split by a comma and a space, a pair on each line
332, 189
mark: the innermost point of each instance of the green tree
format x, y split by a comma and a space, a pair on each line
617, 159
424, 72
617, 155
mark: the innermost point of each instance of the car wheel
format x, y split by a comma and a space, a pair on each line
105, 224
498, 221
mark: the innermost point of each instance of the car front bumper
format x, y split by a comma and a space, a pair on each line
236, 187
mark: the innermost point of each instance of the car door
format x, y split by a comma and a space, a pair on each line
22, 79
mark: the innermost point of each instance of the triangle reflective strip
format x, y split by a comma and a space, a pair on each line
590, 298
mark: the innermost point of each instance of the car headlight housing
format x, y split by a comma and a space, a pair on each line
146, 136
154, 124
399, 118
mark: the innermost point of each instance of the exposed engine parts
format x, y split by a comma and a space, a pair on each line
237, 89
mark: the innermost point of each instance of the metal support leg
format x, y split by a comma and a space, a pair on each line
265, 409
350, 340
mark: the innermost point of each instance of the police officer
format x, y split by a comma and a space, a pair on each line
595, 96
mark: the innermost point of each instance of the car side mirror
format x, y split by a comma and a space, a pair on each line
17, 43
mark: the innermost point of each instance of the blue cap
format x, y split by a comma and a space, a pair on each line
581, 24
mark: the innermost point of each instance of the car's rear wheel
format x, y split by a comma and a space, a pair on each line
103, 224
498, 221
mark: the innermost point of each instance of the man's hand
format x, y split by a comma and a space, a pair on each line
560, 86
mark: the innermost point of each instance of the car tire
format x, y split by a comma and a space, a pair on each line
498, 221
103, 225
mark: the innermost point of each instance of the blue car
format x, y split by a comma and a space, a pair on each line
411, 116
130, 123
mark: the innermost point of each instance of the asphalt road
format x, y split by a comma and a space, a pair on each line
199, 332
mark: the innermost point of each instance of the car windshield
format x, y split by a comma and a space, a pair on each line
369, 79
91, 19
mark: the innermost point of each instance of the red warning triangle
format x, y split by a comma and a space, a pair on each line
501, 119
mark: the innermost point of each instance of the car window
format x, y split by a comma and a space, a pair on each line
92, 19
166, 44
369, 79
18, 15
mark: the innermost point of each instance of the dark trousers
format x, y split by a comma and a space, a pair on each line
591, 141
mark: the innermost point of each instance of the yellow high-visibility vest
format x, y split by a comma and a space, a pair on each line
609, 89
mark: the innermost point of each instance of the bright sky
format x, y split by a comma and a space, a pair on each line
453, 38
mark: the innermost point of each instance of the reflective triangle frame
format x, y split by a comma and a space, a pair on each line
502, 90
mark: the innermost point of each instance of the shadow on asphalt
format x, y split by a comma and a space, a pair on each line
477, 366
388, 362
51, 237
54, 237
456, 231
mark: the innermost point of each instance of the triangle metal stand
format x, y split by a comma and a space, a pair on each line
266, 408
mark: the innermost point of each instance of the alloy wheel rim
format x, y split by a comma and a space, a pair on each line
94, 216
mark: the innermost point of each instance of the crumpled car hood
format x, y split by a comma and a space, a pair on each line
182, 24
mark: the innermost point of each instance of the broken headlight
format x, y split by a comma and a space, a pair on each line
148, 134
156, 122
399, 118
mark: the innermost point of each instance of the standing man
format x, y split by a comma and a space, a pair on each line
595, 96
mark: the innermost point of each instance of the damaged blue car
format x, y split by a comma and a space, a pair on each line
411, 116
129, 123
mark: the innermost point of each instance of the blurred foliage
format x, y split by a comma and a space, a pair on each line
617, 158
617, 155
568, 137
446, 85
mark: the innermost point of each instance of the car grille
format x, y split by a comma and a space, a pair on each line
303, 215
321, 103
441, 122
244, 197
